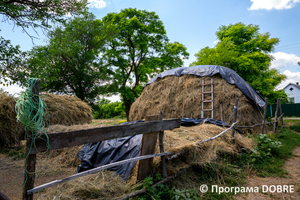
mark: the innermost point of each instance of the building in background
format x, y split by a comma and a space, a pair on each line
293, 92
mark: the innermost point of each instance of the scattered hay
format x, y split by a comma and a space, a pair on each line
185, 138
107, 185
101, 185
178, 97
63, 109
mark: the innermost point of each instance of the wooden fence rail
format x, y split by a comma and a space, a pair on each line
84, 136
78, 137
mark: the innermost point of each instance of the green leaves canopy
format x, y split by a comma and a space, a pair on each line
140, 50
242, 48
32, 13
70, 63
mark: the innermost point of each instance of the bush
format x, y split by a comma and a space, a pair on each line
105, 109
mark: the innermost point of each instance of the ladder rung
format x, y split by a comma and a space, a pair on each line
207, 110
207, 101
208, 92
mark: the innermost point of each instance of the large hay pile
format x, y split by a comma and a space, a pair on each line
106, 185
63, 109
178, 97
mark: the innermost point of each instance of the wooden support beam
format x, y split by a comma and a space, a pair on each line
92, 171
235, 114
161, 149
265, 115
78, 137
148, 148
31, 159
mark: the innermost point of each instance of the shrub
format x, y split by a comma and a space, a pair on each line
105, 109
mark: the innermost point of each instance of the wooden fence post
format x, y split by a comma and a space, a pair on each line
235, 114
148, 147
282, 124
276, 114
265, 115
31, 159
161, 148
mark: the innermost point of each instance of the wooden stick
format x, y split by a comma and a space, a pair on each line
31, 159
200, 142
261, 123
235, 114
282, 124
276, 113
92, 171
265, 115
161, 149
142, 191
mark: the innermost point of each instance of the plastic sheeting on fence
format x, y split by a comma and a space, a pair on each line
105, 152
209, 70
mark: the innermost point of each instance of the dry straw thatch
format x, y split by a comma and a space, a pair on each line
178, 97
63, 109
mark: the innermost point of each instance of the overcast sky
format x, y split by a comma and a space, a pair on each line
195, 22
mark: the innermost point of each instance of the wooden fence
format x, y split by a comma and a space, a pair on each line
154, 124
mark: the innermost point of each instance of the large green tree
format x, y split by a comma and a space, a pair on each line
242, 48
31, 14
70, 63
140, 50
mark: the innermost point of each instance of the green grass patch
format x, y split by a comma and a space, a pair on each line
15, 153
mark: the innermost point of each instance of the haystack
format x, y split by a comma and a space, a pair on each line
63, 109
107, 185
179, 97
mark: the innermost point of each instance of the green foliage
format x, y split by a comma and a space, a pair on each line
295, 127
271, 152
70, 63
104, 109
242, 48
15, 153
10, 56
266, 148
31, 13
140, 50
163, 192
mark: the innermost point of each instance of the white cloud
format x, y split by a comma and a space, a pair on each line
282, 59
97, 3
216, 42
273, 4
292, 77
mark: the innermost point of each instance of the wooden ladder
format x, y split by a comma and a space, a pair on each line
208, 101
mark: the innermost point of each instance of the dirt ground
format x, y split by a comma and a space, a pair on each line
293, 178
12, 175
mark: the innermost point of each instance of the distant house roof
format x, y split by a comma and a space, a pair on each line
292, 84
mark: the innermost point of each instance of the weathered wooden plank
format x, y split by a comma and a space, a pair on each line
78, 137
31, 159
92, 171
162, 149
148, 148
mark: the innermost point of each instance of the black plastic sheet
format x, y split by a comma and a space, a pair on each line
209, 70
105, 152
